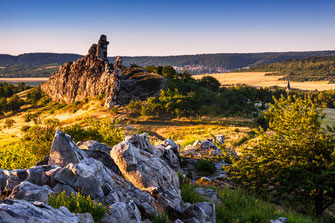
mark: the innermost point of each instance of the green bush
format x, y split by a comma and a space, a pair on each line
159, 218
30, 117
9, 123
187, 191
78, 204
206, 166
31, 148
102, 130
18, 156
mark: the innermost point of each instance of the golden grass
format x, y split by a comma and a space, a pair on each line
25, 79
258, 79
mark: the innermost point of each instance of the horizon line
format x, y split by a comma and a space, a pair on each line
176, 55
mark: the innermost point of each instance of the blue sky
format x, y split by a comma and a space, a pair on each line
167, 27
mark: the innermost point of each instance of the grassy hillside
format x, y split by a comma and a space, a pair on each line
309, 69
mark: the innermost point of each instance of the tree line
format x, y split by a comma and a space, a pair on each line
308, 69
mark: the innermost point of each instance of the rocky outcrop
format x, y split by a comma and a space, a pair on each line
140, 181
202, 212
123, 212
37, 212
209, 194
141, 164
31, 192
92, 75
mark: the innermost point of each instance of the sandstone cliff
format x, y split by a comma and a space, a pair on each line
92, 75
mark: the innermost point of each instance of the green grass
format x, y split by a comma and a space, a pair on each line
239, 206
330, 116
78, 204
206, 166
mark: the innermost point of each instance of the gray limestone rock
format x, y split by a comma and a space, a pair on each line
64, 151
209, 194
202, 212
21, 211
279, 220
140, 163
31, 192
123, 212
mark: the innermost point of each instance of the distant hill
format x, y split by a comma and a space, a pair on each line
37, 59
27, 64
308, 69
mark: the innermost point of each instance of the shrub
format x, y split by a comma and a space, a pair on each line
18, 156
31, 117
206, 166
25, 128
159, 218
187, 191
102, 130
78, 204
9, 123
34, 95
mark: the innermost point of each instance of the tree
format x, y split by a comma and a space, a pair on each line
294, 156
210, 83
34, 95
3, 105
9, 123
169, 72
14, 103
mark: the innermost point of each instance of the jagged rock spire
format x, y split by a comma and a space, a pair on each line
102, 48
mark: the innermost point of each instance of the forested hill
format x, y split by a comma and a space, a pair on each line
309, 69
27, 64
37, 59
225, 60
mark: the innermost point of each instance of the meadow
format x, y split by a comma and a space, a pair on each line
259, 79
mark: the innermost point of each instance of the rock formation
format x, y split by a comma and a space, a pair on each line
134, 179
92, 75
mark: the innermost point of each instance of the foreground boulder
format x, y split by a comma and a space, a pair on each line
140, 163
203, 212
143, 183
123, 212
93, 178
24, 211
31, 192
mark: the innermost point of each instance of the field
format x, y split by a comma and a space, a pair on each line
258, 79
32, 81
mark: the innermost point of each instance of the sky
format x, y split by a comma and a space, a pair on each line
172, 27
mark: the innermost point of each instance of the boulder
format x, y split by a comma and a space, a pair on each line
220, 139
59, 188
92, 178
36, 175
93, 145
31, 192
99, 151
25, 211
64, 151
279, 220
209, 194
84, 218
170, 154
202, 212
123, 212
140, 163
